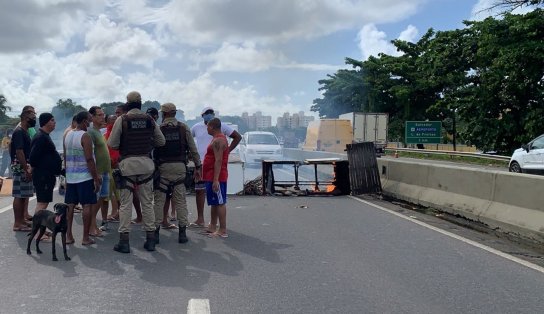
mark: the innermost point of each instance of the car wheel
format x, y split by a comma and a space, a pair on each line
514, 167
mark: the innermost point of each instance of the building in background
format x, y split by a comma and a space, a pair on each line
297, 120
257, 121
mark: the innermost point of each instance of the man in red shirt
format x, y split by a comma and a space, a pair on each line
215, 175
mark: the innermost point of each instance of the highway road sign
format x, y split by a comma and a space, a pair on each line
424, 132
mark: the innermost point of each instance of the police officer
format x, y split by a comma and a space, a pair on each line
135, 134
171, 160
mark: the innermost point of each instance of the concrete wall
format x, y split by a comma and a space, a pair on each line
298, 154
510, 201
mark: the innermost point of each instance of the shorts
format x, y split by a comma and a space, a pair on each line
82, 193
21, 189
105, 187
44, 185
216, 198
200, 185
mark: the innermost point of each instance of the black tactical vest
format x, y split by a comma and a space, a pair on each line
175, 149
137, 135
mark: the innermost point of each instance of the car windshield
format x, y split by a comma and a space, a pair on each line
268, 139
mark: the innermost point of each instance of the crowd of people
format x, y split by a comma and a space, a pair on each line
130, 160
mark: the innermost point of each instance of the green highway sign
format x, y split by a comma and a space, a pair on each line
423, 132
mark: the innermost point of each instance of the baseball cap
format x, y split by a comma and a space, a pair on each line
152, 111
206, 109
168, 107
134, 96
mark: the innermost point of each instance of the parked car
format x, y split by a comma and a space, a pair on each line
257, 146
529, 158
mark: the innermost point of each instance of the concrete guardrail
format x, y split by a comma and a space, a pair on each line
510, 201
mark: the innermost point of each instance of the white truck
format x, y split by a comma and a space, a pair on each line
369, 127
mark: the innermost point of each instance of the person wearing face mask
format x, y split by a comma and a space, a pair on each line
203, 139
31, 132
22, 174
6, 159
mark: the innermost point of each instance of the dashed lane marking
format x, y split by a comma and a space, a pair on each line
198, 306
457, 237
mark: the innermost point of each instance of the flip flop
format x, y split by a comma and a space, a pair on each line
221, 235
172, 218
23, 229
96, 235
206, 232
195, 225
170, 226
112, 219
91, 242
70, 242
45, 238
134, 222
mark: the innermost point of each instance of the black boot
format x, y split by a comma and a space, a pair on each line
123, 245
149, 241
157, 235
182, 237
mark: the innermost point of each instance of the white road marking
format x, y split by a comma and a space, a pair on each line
11, 206
457, 237
198, 306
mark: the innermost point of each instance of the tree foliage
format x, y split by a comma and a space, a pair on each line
65, 109
488, 76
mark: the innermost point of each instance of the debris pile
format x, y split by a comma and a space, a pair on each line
253, 187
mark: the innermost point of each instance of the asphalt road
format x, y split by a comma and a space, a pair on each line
284, 255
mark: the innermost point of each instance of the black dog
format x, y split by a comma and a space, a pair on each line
56, 222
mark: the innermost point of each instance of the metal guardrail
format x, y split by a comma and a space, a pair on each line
450, 153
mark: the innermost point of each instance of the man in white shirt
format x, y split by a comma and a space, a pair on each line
203, 139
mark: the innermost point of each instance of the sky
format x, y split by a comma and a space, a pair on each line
233, 55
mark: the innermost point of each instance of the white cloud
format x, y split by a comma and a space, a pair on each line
97, 51
197, 22
247, 57
110, 44
373, 41
409, 34
39, 24
243, 58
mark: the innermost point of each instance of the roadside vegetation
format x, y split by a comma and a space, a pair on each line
459, 159
484, 82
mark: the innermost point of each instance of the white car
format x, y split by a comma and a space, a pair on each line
529, 158
257, 146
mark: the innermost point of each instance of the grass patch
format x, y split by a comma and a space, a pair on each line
459, 159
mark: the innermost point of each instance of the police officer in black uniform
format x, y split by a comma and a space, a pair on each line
172, 160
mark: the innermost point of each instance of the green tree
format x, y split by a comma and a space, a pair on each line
4, 109
65, 109
109, 108
504, 104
